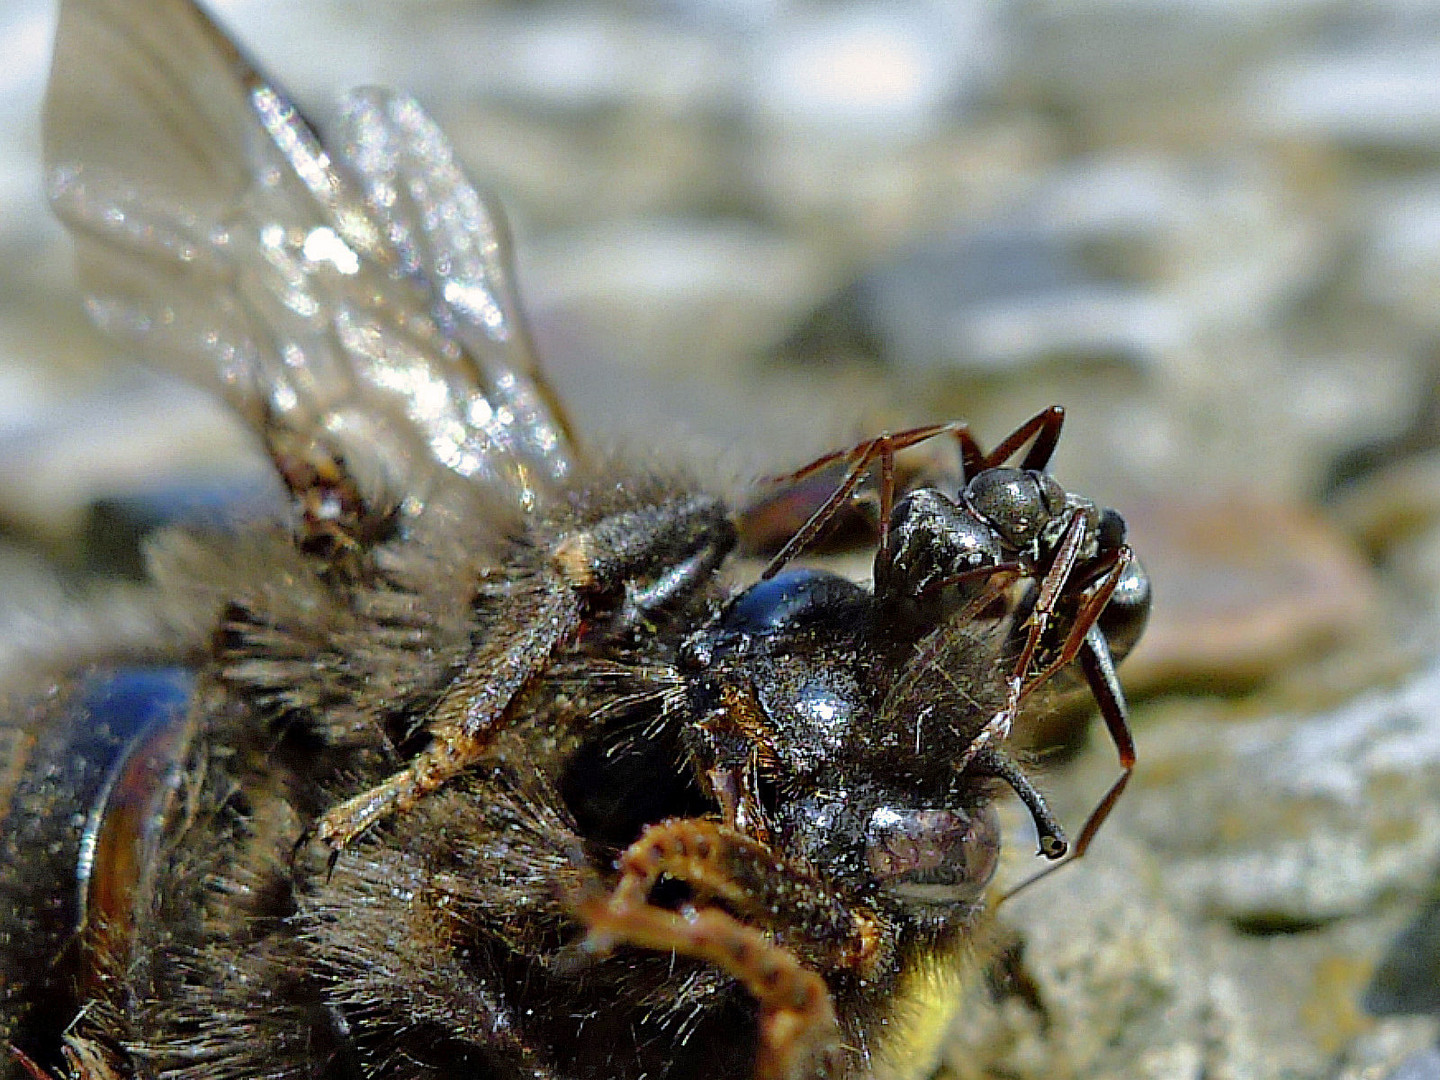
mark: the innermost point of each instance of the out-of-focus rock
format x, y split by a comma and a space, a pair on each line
1123, 259
1121, 986
723, 286
1123, 56
879, 73
1401, 264
136, 435
1242, 589
1381, 94
1243, 907
1302, 820
1407, 980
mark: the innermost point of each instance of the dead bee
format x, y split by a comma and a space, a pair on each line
477, 766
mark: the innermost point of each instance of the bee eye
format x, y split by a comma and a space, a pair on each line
933, 856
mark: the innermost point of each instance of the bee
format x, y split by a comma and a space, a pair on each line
476, 762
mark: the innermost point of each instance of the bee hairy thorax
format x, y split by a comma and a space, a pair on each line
154, 814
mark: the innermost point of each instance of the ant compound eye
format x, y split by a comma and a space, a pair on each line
1017, 503
941, 857
1111, 533
1051, 493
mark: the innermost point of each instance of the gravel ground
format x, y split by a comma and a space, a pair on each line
755, 229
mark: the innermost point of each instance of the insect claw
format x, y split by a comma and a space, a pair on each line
992, 762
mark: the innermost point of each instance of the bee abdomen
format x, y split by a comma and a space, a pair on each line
98, 760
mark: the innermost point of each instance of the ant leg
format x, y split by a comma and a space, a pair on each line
769, 518
1087, 834
1043, 427
887, 493
1099, 667
1052, 588
972, 458
827, 510
1079, 641
851, 455
1019, 684
859, 458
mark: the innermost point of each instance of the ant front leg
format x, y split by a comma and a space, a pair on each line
1087, 643
813, 498
1020, 683
619, 570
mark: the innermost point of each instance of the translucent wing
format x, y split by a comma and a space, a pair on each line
358, 297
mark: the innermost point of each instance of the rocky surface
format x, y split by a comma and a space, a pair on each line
758, 228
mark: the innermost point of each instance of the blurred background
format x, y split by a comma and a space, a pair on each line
753, 230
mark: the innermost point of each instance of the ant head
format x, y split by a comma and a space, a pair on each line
1019, 504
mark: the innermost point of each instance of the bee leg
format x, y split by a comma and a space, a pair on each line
728, 762
85, 1060
750, 878
799, 1035
467, 717
335, 522
644, 599
626, 565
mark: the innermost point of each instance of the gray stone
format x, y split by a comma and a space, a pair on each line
879, 73
1383, 96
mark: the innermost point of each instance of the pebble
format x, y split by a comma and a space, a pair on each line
1380, 96
1243, 588
878, 73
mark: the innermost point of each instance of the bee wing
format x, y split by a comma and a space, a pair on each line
360, 300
